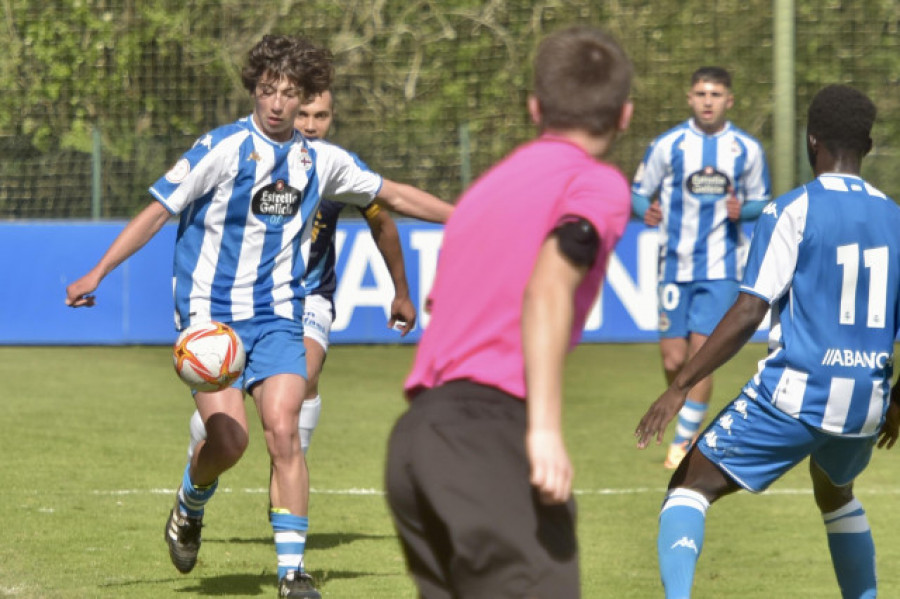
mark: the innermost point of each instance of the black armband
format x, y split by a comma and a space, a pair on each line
578, 239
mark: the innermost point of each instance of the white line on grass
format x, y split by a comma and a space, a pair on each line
379, 492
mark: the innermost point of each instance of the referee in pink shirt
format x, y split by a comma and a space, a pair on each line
478, 478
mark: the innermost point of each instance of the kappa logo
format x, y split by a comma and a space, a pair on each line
205, 141
771, 209
711, 439
726, 422
741, 407
685, 542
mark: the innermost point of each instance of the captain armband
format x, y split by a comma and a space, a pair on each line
371, 211
578, 239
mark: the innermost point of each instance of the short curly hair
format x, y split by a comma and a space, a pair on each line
841, 117
306, 65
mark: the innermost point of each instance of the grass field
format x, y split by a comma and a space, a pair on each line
93, 444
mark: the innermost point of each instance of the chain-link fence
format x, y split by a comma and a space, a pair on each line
99, 97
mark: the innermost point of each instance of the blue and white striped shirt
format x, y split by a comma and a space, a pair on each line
826, 256
691, 173
247, 204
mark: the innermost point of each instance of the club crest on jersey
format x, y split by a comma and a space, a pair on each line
277, 199
708, 181
305, 159
664, 323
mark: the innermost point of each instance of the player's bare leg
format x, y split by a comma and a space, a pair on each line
675, 354
312, 403
278, 400
226, 423
849, 535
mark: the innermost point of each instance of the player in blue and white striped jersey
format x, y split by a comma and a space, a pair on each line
826, 258
246, 194
320, 280
704, 177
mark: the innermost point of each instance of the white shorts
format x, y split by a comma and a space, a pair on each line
317, 319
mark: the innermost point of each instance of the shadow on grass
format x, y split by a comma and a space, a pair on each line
322, 540
251, 585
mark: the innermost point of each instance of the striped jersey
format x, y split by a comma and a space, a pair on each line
690, 172
320, 278
246, 205
826, 256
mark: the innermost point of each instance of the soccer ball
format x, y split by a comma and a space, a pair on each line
208, 356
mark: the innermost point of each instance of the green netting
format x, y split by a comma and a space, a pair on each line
98, 98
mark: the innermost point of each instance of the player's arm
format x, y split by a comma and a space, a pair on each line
890, 430
757, 186
412, 201
132, 238
732, 332
646, 209
547, 315
387, 239
646, 184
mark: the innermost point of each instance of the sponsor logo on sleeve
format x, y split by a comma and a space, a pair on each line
179, 171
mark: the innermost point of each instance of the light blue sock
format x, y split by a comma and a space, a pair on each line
192, 499
689, 420
290, 539
682, 522
852, 550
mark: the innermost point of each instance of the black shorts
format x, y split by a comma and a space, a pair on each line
470, 523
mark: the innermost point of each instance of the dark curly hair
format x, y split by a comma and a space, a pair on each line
841, 117
308, 66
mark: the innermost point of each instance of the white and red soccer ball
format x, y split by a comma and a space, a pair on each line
208, 356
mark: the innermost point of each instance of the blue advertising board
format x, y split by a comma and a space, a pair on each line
134, 302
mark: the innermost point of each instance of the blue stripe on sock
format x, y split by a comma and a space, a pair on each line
690, 418
290, 552
191, 499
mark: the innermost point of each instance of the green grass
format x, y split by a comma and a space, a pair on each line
93, 440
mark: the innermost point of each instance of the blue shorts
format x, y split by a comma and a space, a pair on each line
695, 307
274, 345
755, 443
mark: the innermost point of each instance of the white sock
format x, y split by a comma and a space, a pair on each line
309, 418
198, 433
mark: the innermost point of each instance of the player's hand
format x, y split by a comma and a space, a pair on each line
653, 216
80, 293
733, 206
403, 315
890, 430
658, 416
551, 469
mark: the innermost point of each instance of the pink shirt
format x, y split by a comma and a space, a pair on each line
489, 250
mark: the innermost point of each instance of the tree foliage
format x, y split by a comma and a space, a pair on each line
151, 76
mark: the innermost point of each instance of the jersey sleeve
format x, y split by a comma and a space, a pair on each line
601, 197
197, 172
651, 171
344, 177
772, 258
757, 182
